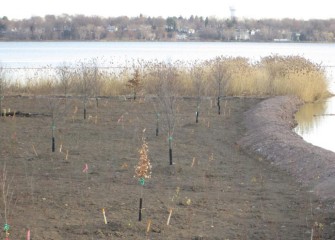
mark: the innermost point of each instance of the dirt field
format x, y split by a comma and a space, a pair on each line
214, 190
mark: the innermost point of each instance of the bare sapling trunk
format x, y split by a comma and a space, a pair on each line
197, 74
170, 149
53, 127
86, 78
167, 96
157, 118
221, 77
165, 84
7, 197
85, 106
65, 80
157, 124
96, 82
56, 109
54, 105
197, 114
2, 88
219, 96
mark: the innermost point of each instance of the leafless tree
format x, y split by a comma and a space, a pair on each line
54, 106
7, 199
198, 74
3, 86
221, 76
86, 86
166, 75
96, 80
65, 79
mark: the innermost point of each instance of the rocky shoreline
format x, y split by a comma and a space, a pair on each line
269, 134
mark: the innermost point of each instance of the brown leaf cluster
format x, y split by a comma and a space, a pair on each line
143, 168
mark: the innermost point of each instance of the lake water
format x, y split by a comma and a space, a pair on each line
316, 124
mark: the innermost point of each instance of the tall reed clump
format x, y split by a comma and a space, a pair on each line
294, 75
245, 79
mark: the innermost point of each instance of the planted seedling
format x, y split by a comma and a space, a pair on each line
142, 171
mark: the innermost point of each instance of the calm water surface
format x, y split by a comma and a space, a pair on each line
316, 122
35, 54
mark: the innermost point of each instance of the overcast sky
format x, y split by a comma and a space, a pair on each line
256, 9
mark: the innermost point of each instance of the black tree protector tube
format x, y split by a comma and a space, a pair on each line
140, 211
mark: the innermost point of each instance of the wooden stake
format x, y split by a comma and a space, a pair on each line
104, 214
193, 162
148, 225
35, 151
168, 220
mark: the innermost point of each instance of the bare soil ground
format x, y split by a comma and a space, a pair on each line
215, 189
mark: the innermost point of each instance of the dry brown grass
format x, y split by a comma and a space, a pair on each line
272, 75
294, 75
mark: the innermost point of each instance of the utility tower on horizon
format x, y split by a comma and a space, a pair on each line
232, 13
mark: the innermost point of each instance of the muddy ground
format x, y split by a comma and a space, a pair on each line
215, 189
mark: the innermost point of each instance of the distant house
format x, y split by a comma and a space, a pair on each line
188, 31
242, 34
281, 40
181, 36
111, 28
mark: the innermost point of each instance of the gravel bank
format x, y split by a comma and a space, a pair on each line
269, 134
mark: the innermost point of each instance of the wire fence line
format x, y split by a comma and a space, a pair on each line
46, 68
98, 67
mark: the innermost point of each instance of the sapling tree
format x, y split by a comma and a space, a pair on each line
221, 76
96, 80
54, 104
2, 87
157, 123
197, 74
65, 79
135, 83
85, 84
166, 76
7, 197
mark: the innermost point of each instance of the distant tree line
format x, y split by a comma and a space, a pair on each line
142, 28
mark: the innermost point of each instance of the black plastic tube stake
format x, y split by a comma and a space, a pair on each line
157, 126
170, 155
140, 211
53, 144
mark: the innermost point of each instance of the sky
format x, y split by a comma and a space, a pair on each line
255, 9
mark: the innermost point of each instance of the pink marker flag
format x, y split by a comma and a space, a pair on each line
120, 119
28, 234
85, 169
